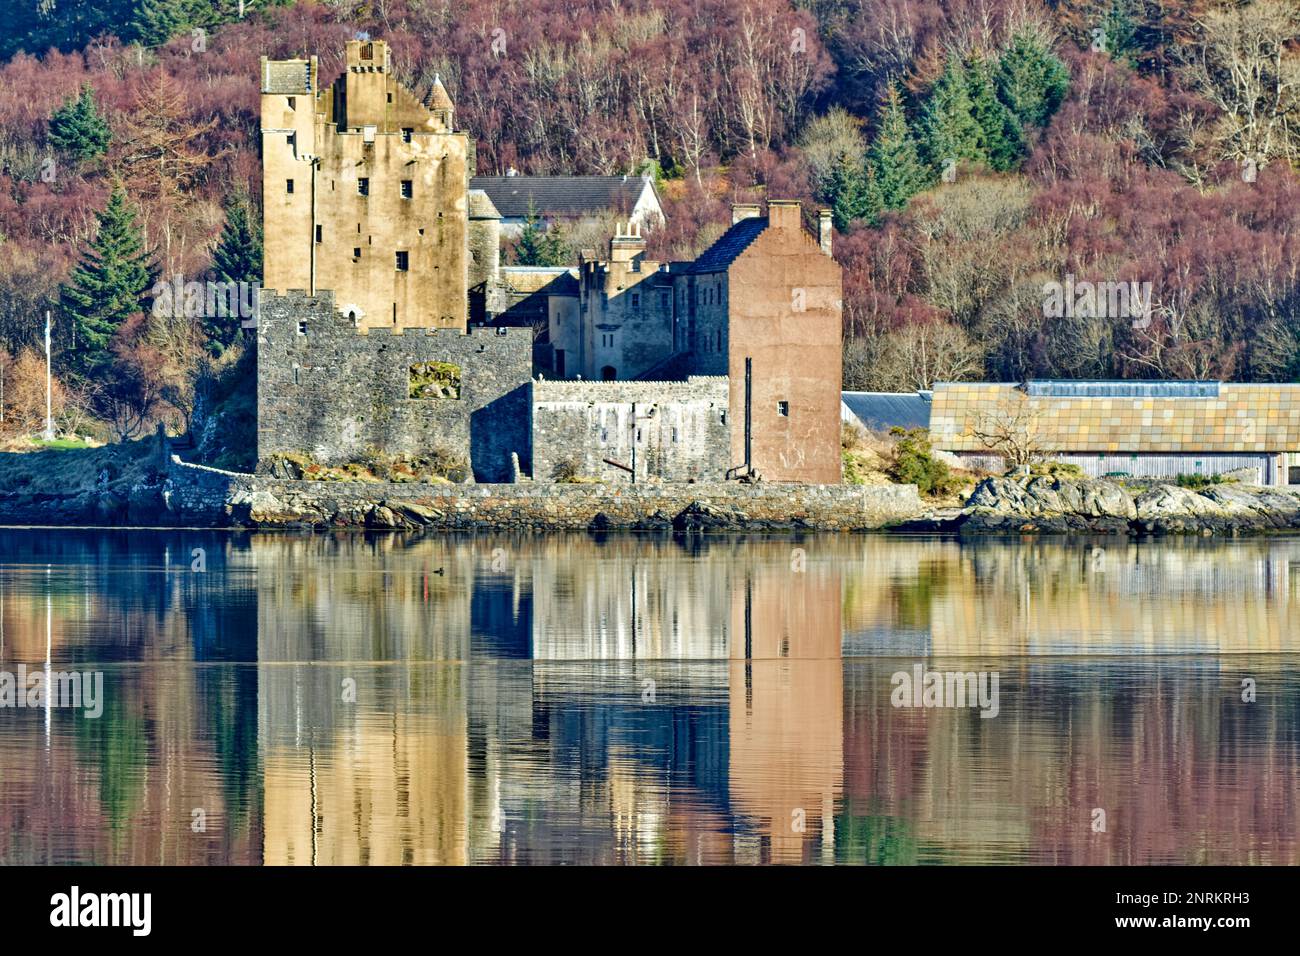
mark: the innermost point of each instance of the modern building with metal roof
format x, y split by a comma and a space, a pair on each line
881, 411
1149, 429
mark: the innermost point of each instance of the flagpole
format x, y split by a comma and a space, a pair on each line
49, 418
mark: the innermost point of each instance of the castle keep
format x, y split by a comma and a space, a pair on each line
364, 191
388, 325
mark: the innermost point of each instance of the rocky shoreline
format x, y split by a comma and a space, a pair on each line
177, 493
1057, 505
183, 494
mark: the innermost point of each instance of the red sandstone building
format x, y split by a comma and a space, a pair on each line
760, 306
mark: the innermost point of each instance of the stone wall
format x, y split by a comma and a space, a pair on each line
205, 496
670, 431
333, 392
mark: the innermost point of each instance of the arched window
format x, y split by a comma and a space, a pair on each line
607, 373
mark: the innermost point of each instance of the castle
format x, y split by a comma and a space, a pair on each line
388, 323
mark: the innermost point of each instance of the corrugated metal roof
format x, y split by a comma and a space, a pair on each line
731, 244
560, 195
1098, 388
886, 409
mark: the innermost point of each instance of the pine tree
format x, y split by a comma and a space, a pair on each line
107, 285
948, 127
851, 193
1002, 139
237, 258
893, 159
77, 127
1119, 28
1031, 81
157, 21
537, 246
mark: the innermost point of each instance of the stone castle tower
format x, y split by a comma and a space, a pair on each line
364, 190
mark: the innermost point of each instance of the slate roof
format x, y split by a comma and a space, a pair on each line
480, 206
286, 76
887, 409
560, 195
437, 98
731, 244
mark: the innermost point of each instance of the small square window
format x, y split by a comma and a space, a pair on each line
407, 189
406, 134
288, 186
363, 186
302, 328
783, 409
403, 261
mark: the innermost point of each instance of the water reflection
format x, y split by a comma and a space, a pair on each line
378, 700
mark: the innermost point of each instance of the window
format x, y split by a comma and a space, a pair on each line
406, 134
363, 186
636, 301
302, 328
719, 340
293, 102
293, 140
434, 380
403, 260
407, 191
356, 252
368, 51
390, 97
288, 186
318, 233
783, 409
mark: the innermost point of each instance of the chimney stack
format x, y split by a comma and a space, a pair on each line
743, 210
824, 231
628, 245
784, 214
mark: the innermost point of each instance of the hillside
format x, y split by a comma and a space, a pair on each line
975, 152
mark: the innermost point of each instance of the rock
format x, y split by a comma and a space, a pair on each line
700, 516
656, 521
1171, 501
383, 517
417, 514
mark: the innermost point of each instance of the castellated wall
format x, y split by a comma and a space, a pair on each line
678, 429
333, 392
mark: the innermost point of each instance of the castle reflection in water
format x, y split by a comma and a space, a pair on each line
566, 698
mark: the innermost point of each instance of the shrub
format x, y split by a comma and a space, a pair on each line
565, 470
1196, 482
914, 464
1057, 469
